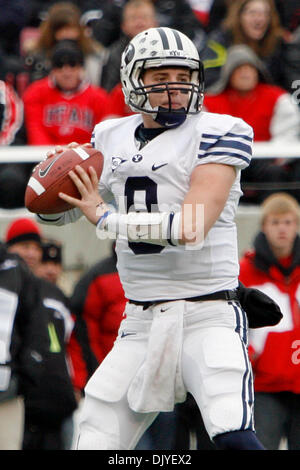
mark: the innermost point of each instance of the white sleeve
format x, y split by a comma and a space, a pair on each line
62, 218
230, 147
285, 123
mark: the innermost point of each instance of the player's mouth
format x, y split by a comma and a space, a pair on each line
172, 104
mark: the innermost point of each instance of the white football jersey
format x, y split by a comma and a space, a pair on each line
156, 178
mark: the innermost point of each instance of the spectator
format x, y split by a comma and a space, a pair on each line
289, 12
11, 116
63, 22
51, 266
52, 400
12, 20
23, 344
13, 176
218, 11
137, 16
255, 23
63, 106
176, 14
245, 90
50, 269
273, 266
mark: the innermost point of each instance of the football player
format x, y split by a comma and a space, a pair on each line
173, 174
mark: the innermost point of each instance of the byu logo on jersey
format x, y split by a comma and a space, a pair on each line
137, 158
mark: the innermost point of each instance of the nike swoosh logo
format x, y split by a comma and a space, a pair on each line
170, 124
123, 334
45, 171
164, 309
154, 167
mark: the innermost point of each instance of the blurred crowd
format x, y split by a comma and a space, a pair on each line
60, 73
59, 76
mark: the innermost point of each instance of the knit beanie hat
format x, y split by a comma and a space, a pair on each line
52, 251
236, 56
67, 52
22, 229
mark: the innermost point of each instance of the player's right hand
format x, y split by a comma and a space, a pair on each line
59, 148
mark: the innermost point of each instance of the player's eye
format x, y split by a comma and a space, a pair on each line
185, 78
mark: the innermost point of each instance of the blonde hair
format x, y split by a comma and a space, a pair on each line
280, 203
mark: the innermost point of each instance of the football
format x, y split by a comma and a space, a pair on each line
50, 177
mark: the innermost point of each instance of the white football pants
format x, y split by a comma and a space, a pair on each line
214, 365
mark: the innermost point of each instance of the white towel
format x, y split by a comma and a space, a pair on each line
158, 384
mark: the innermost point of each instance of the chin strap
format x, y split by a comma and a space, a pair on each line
170, 119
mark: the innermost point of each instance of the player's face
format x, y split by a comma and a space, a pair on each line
281, 231
255, 19
176, 98
29, 251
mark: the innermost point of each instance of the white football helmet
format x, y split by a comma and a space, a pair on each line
160, 47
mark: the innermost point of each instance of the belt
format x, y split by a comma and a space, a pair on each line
221, 295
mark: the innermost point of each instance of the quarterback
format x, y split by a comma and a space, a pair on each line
168, 192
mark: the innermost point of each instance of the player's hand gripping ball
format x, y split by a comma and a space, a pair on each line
51, 177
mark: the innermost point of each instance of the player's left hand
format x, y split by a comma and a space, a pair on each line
91, 204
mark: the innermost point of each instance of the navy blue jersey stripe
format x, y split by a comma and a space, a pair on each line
164, 38
229, 134
234, 144
242, 136
178, 40
212, 136
225, 154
